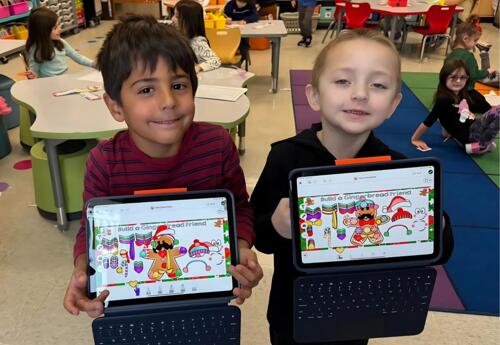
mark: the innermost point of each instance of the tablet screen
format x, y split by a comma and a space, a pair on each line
147, 247
364, 216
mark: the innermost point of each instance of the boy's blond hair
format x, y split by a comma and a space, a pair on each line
371, 35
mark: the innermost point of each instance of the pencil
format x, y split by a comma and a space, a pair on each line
23, 59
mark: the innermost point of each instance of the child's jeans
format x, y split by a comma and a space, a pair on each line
485, 129
305, 20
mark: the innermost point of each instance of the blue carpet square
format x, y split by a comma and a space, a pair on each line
473, 268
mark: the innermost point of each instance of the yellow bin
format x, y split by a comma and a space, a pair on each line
220, 23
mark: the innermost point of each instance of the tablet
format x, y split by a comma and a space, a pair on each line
167, 246
355, 217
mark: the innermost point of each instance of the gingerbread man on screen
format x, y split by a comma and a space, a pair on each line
164, 254
366, 222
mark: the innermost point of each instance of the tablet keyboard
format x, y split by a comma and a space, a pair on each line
374, 293
218, 327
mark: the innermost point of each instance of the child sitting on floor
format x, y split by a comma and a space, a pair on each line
455, 111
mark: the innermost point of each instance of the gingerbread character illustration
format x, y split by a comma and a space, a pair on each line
164, 254
366, 222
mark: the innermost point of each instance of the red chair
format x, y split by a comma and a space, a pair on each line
438, 20
356, 14
335, 21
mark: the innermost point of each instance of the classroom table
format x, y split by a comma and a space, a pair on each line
8, 47
59, 119
273, 30
415, 7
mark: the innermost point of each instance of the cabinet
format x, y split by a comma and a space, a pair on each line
484, 8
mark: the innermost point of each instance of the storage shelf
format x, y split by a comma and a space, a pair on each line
12, 18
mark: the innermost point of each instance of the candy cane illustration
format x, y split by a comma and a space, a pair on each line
331, 209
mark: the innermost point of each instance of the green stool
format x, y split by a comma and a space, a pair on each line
5, 147
72, 157
27, 140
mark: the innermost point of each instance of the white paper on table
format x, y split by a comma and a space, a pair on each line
492, 98
223, 93
94, 76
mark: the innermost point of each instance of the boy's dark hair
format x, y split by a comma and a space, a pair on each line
470, 27
190, 18
448, 68
139, 41
40, 24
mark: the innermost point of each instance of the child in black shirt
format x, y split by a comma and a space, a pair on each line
356, 86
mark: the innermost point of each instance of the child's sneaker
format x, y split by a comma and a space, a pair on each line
475, 148
472, 148
308, 42
483, 46
490, 147
302, 42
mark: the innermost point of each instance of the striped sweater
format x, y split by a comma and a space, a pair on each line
207, 159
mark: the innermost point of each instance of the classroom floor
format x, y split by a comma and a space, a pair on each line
36, 258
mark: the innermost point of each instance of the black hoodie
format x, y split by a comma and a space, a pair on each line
301, 151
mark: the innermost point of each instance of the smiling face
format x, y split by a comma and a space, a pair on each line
457, 80
158, 108
357, 89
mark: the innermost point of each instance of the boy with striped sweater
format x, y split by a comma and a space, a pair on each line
151, 87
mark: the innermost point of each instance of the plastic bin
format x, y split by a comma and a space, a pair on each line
4, 11
291, 21
20, 32
326, 14
209, 24
19, 8
259, 43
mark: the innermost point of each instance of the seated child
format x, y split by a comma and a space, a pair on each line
188, 18
242, 12
467, 36
46, 49
356, 87
152, 89
456, 115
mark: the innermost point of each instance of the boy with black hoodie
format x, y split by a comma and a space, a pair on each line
356, 86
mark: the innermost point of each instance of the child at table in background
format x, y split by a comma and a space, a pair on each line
356, 87
305, 9
188, 18
46, 49
242, 12
476, 135
152, 89
467, 36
